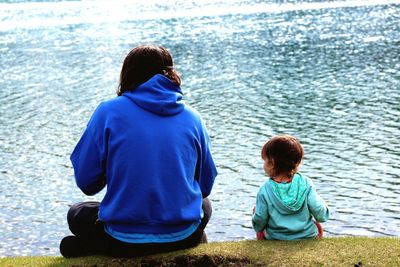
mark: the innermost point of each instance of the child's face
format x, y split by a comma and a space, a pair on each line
268, 167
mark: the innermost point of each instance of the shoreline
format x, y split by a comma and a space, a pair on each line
330, 251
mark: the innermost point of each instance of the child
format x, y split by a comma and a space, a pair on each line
287, 206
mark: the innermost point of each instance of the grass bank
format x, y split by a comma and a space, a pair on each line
343, 251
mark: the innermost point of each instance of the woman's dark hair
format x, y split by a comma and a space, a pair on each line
142, 63
285, 152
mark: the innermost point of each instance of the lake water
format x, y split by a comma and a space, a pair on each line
325, 72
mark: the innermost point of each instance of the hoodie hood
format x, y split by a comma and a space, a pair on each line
158, 95
289, 197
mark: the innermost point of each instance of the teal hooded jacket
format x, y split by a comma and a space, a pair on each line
286, 211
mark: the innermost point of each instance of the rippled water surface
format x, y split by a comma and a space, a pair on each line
326, 72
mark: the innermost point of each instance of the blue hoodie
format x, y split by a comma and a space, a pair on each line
286, 211
153, 153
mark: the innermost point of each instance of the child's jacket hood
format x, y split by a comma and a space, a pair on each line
158, 95
289, 197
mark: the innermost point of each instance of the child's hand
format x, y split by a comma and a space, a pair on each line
260, 235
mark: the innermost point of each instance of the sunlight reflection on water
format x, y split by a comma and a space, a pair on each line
327, 75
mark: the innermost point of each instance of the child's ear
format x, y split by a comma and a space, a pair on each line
296, 168
272, 162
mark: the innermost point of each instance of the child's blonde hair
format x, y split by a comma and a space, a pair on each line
285, 152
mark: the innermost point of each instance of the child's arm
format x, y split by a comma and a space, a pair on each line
260, 216
259, 235
317, 206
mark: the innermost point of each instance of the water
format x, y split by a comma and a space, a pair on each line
326, 72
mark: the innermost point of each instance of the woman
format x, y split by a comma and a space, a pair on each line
152, 152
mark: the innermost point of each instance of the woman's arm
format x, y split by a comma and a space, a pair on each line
206, 170
88, 165
88, 157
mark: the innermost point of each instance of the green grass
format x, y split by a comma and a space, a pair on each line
343, 251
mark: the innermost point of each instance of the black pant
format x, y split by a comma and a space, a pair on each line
84, 223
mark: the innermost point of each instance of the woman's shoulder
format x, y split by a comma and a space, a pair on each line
112, 104
106, 108
193, 115
192, 111
114, 101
